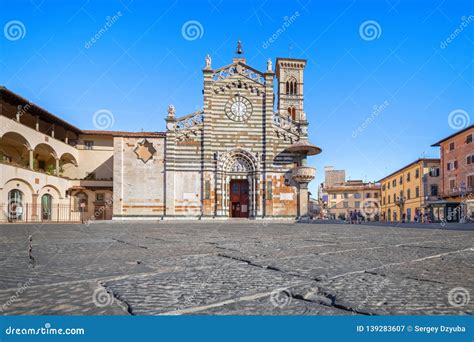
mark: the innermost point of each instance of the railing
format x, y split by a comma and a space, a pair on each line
190, 120
286, 124
25, 165
432, 198
459, 191
54, 213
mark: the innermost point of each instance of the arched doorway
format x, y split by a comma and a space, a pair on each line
46, 207
389, 215
238, 178
15, 205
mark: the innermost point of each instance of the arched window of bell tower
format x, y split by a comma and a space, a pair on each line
291, 86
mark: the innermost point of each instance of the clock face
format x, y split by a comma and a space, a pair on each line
238, 108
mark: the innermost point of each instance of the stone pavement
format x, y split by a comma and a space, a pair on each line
235, 267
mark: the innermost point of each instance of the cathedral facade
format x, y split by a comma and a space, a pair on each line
236, 157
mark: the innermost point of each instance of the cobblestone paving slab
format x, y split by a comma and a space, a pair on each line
450, 270
235, 267
376, 294
164, 292
264, 306
65, 299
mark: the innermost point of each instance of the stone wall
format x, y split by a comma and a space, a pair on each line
139, 187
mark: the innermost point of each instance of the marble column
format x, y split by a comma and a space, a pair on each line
303, 200
31, 159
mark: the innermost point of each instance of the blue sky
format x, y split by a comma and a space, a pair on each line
143, 62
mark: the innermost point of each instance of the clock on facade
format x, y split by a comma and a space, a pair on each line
238, 108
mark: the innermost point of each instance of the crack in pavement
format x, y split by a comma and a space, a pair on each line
329, 298
129, 243
121, 302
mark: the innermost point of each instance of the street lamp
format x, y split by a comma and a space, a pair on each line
462, 205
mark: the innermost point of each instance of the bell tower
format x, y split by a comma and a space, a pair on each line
289, 73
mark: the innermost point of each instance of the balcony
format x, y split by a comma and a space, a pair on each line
458, 192
32, 138
432, 198
24, 147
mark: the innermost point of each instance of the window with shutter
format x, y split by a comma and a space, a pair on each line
470, 181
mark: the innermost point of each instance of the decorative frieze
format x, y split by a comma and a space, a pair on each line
231, 70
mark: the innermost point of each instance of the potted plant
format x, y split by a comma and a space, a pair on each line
50, 169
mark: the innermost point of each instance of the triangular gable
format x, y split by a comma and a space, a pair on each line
240, 69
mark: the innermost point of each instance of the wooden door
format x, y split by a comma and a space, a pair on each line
239, 198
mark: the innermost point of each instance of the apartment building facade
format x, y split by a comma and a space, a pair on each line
406, 192
457, 170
